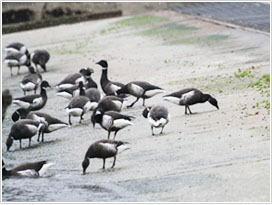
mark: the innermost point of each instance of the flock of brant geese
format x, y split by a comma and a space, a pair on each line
83, 95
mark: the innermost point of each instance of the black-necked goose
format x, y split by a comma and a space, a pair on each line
157, 116
68, 93
51, 123
40, 57
33, 102
103, 149
24, 129
140, 89
108, 86
72, 79
112, 121
31, 81
20, 113
190, 96
16, 47
79, 105
109, 103
30, 169
17, 60
6, 101
90, 82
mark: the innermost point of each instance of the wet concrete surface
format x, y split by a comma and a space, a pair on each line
248, 14
212, 155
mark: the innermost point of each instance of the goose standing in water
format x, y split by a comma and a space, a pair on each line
103, 149
190, 96
30, 169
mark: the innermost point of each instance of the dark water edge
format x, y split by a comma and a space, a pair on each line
63, 186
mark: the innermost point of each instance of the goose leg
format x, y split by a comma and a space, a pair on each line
81, 117
38, 139
42, 136
133, 103
152, 130
18, 71
115, 134
10, 71
44, 67
113, 164
36, 68
185, 109
29, 142
20, 143
70, 123
104, 162
143, 101
109, 134
189, 109
161, 129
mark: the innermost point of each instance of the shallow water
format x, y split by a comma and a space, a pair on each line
63, 186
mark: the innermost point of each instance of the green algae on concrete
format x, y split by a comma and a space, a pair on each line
170, 30
141, 21
207, 40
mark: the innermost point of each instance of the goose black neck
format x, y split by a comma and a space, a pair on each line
43, 92
82, 91
104, 78
91, 82
205, 97
6, 173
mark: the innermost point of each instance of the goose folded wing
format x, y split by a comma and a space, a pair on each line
29, 98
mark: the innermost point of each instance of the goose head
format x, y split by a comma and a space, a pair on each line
103, 64
45, 84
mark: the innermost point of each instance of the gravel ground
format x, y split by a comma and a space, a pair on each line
213, 155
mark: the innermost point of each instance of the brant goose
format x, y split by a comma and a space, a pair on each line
158, 116
34, 102
103, 149
16, 47
72, 79
20, 113
31, 81
6, 101
68, 93
30, 169
108, 86
90, 82
140, 89
51, 123
40, 57
112, 121
190, 96
24, 129
17, 60
109, 103
78, 106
